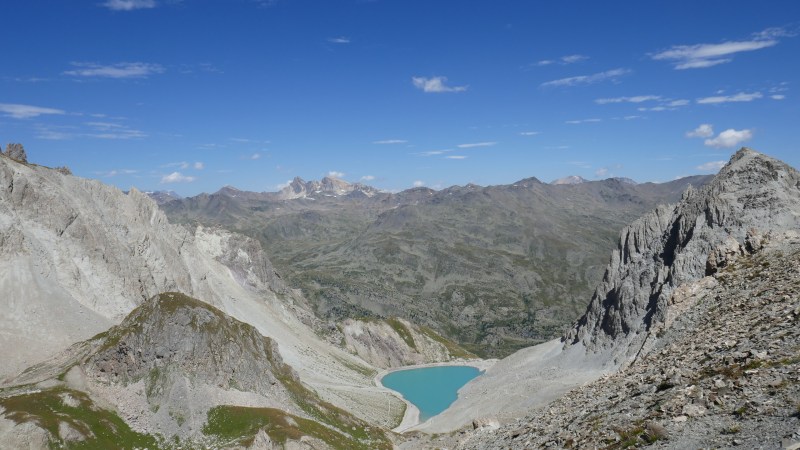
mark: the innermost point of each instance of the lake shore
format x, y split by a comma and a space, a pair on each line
411, 418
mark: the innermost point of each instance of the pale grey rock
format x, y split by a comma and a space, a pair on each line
485, 423
671, 246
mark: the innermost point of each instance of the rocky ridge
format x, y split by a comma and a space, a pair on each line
165, 384
670, 246
724, 373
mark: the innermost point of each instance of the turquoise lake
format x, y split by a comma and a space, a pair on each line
431, 389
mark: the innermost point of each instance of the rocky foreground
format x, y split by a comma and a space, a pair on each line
724, 373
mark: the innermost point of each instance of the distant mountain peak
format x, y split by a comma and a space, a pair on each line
572, 179
327, 186
624, 180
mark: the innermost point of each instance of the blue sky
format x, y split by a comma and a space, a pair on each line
192, 95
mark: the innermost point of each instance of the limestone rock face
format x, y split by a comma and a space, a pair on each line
672, 245
16, 151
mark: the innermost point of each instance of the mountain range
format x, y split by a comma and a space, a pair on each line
494, 268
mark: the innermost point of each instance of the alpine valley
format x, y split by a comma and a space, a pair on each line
265, 320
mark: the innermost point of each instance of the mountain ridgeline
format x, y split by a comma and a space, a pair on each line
494, 268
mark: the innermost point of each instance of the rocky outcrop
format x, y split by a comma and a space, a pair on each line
671, 246
725, 374
329, 186
17, 152
397, 342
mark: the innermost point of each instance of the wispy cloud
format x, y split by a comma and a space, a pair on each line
634, 99
575, 122
777, 96
254, 156
477, 144
111, 130
432, 152
128, 5
176, 177
418, 183
455, 157
740, 97
339, 40
703, 131
564, 60
529, 133
587, 79
199, 165
729, 138
336, 174
712, 166
435, 85
390, 142
115, 172
18, 111
368, 178
701, 56
117, 71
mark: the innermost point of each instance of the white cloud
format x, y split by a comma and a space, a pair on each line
601, 172
117, 71
740, 97
680, 102
529, 133
17, 111
368, 178
575, 122
712, 166
564, 60
635, 99
729, 138
654, 108
418, 183
587, 79
254, 156
199, 165
128, 5
703, 131
435, 85
110, 130
455, 157
432, 152
339, 40
115, 172
777, 97
283, 185
701, 56
477, 144
390, 141
570, 59
176, 177
335, 174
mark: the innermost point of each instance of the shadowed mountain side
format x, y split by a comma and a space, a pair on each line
494, 268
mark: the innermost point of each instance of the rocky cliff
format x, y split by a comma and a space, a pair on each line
723, 374
670, 246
